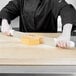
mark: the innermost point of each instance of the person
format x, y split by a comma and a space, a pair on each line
39, 16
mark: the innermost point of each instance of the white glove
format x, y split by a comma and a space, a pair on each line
63, 41
6, 28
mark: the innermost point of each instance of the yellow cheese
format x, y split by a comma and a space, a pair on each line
31, 40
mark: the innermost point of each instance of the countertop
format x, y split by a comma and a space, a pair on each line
13, 52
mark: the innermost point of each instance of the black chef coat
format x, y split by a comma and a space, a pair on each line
39, 15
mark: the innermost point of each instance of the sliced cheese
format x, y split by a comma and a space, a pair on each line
31, 40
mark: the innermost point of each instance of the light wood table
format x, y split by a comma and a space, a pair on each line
16, 57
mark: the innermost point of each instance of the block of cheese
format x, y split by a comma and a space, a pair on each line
31, 40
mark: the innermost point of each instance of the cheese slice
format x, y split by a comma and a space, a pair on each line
31, 39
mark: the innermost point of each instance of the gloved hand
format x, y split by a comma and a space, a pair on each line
63, 41
6, 28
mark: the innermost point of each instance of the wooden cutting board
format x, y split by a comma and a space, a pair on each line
15, 41
13, 52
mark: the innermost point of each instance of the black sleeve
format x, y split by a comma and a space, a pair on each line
67, 12
10, 11
68, 15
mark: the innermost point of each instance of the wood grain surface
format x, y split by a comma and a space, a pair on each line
13, 52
